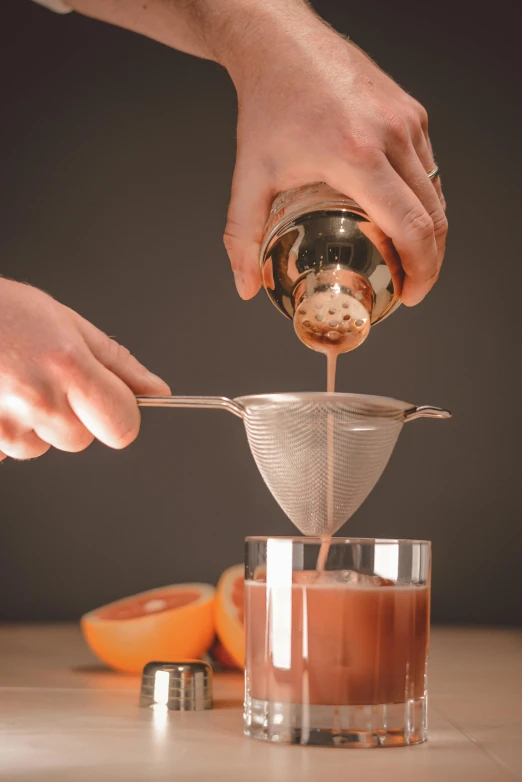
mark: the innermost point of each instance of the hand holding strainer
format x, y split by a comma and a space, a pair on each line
320, 454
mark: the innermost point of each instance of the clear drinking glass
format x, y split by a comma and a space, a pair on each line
336, 641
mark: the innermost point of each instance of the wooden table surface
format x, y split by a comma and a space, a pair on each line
65, 719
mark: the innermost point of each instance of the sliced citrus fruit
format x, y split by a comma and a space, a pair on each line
168, 623
230, 621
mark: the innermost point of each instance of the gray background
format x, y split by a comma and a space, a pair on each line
116, 156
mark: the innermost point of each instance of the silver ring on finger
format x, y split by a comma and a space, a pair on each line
434, 173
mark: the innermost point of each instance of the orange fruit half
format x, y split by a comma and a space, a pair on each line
170, 623
230, 613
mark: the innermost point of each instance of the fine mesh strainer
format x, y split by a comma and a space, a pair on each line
320, 454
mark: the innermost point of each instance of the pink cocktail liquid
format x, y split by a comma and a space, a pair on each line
336, 643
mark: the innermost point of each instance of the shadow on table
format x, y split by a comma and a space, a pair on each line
97, 668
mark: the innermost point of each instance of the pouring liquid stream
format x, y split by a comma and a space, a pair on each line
331, 366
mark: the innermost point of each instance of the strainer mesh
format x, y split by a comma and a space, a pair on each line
321, 459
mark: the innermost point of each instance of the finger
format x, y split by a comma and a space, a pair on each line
395, 208
105, 405
413, 172
24, 446
2, 456
385, 246
120, 361
64, 431
43, 409
422, 143
424, 151
247, 215
437, 184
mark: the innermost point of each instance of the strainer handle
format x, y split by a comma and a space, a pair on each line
210, 402
426, 412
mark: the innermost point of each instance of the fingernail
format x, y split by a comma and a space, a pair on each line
240, 283
414, 300
156, 379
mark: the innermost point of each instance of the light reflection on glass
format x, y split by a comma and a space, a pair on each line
279, 588
386, 560
416, 563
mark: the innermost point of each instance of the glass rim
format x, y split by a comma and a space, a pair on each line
309, 540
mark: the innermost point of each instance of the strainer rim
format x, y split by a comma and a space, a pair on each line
297, 396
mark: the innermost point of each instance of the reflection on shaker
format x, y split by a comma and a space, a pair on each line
319, 244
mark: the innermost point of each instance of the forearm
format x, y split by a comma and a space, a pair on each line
227, 31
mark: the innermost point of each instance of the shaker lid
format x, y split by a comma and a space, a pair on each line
185, 685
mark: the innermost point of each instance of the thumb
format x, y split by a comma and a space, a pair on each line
120, 361
247, 215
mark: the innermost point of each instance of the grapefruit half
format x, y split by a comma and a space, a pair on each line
169, 623
230, 613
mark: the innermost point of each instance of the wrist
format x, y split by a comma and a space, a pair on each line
245, 35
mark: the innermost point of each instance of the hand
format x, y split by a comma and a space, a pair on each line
62, 381
313, 107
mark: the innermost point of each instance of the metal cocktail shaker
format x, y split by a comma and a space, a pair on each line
326, 266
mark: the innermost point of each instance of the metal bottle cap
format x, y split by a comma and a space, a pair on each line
180, 686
